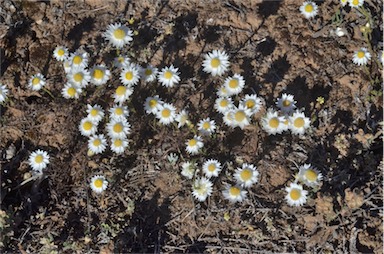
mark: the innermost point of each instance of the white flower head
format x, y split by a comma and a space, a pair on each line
95, 112
361, 56
296, 196
194, 145
71, 91
298, 123
234, 193
251, 102
166, 113
152, 104
212, 168
79, 60
99, 75
241, 116
149, 73
286, 103
97, 144
272, 123
228, 118
98, 183
343, 2
118, 112
122, 93
309, 175
60, 53
38, 160
3, 93
169, 76
216, 63
118, 35
223, 104
87, 127
130, 75
121, 61
234, 85
36, 82
381, 57
247, 175
202, 188
182, 118
118, 128
188, 169
206, 126
222, 91
67, 66
79, 77
309, 9
355, 3
118, 145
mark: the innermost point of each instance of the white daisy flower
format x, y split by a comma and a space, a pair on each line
361, 56
118, 35
130, 75
95, 113
67, 66
202, 188
87, 127
223, 104
166, 113
381, 57
188, 169
234, 193
216, 62
149, 73
3, 93
272, 123
343, 2
38, 160
97, 144
118, 128
36, 82
212, 168
251, 102
206, 126
234, 85
152, 104
298, 123
99, 75
286, 103
355, 3
121, 61
118, 145
222, 91
228, 118
309, 9
79, 60
122, 93
241, 117
309, 175
169, 76
71, 91
194, 145
79, 77
98, 183
247, 175
118, 112
60, 53
296, 196
182, 118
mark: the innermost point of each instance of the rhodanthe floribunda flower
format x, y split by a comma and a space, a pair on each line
296, 196
194, 145
60, 53
228, 118
118, 128
3, 93
87, 127
79, 60
95, 113
36, 82
234, 85
343, 2
67, 66
38, 160
169, 76
286, 103
122, 93
118, 145
223, 104
216, 62
247, 175
130, 75
152, 104
100, 75
97, 144
309, 175
309, 9
202, 188
188, 169
211, 168
251, 102
149, 73
298, 123
118, 35
240, 116
222, 91
71, 91
206, 126
182, 118
118, 112
98, 183
272, 123
355, 3
166, 113
121, 61
79, 77
234, 193
361, 56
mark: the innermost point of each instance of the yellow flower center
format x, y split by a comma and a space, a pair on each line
129, 75
274, 123
152, 103
355, 2
98, 183
211, 167
215, 62
71, 91
77, 60
250, 103
206, 125
286, 103
192, 142
119, 111
97, 142
98, 74
234, 191
39, 158
148, 72
118, 142
308, 8
295, 194
120, 91
61, 52
118, 128
167, 75
223, 103
94, 112
35, 81
78, 77
240, 116
299, 122
311, 175
233, 83
246, 174
119, 34
165, 113
360, 54
87, 126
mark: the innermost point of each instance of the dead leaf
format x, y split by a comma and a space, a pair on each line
352, 199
